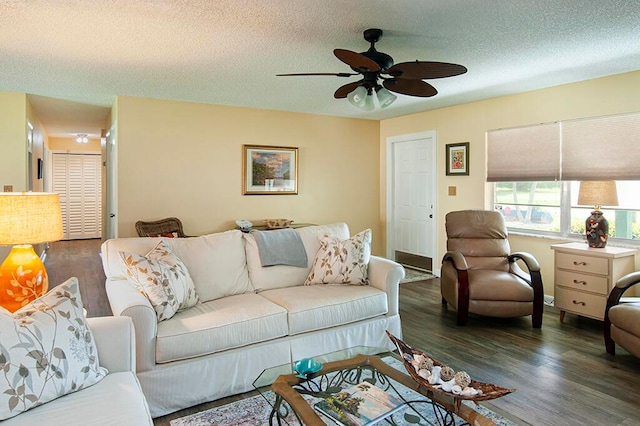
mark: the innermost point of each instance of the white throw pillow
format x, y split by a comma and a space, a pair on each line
46, 351
342, 261
163, 278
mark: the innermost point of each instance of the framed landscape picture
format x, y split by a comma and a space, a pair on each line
457, 159
269, 170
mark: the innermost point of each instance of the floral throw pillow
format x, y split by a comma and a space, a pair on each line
342, 261
46, 351
163, 278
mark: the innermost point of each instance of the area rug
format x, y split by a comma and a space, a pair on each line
412, 275
254, 411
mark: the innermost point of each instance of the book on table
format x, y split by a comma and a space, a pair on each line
358, 405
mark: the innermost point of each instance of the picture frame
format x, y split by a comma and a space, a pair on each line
457, 159
269, 170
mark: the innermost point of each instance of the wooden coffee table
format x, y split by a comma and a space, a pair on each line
289, 390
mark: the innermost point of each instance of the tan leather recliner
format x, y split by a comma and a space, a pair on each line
622, 320
479, 274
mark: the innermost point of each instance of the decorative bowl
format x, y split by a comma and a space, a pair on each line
278, 223
306, 366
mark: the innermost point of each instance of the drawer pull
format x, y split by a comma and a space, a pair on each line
579, 282
579, 263
575, 302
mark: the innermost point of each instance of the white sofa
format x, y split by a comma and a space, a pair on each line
117, 399
251, 317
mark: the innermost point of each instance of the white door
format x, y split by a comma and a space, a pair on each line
77, 178
411, 231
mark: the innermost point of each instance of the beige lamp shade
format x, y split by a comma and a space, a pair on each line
598, 193
29, 218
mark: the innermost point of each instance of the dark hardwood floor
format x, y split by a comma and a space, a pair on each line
562, 373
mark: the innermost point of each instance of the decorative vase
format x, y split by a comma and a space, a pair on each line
597, 230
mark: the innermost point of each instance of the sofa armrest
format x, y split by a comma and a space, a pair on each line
386, 274
115, 340
125, 300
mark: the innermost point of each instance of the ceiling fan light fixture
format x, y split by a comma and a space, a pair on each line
369, 103
385, 97
358, 97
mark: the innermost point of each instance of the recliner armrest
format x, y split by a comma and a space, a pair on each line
457, 259
622, 285
527, 258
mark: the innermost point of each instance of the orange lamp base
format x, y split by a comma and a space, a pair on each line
23, 278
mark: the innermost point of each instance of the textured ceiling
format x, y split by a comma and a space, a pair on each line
229, 51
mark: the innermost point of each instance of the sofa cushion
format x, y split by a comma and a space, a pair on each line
216, 262
322, 306
126, 406
163, 278
46, 351
219, 325
342, 261
278, 276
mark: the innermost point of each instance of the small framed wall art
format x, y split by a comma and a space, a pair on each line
269, 170
457, 159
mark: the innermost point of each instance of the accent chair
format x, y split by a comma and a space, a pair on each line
481, 276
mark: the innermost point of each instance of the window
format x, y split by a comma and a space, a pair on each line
551, 208
537, 171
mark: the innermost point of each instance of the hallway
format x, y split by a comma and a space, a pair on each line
80, 259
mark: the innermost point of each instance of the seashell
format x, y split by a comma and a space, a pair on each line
416, 365
424, 373
456, 389
426, 363
462, 379
447, 373
469, 391
434, 378
407, 357
446, 386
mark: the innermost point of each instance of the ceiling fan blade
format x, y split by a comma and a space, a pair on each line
425, 70
343, 91
356, 60
336, 74
410, 87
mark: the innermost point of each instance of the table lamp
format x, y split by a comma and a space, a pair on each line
26, 218
597, 193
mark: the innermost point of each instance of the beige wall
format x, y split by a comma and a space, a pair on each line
13, 140
185, 159
70, 145
469, 123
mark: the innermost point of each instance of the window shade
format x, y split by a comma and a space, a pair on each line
524, 153
602, 148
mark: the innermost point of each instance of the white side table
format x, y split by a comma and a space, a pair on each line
584, 276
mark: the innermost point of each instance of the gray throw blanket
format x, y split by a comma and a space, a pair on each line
280, 247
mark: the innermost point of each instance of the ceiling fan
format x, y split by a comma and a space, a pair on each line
405, 78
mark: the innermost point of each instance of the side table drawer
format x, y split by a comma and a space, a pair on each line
589, 305
593, 265
595, 284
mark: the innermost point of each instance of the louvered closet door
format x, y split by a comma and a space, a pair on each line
77, 178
